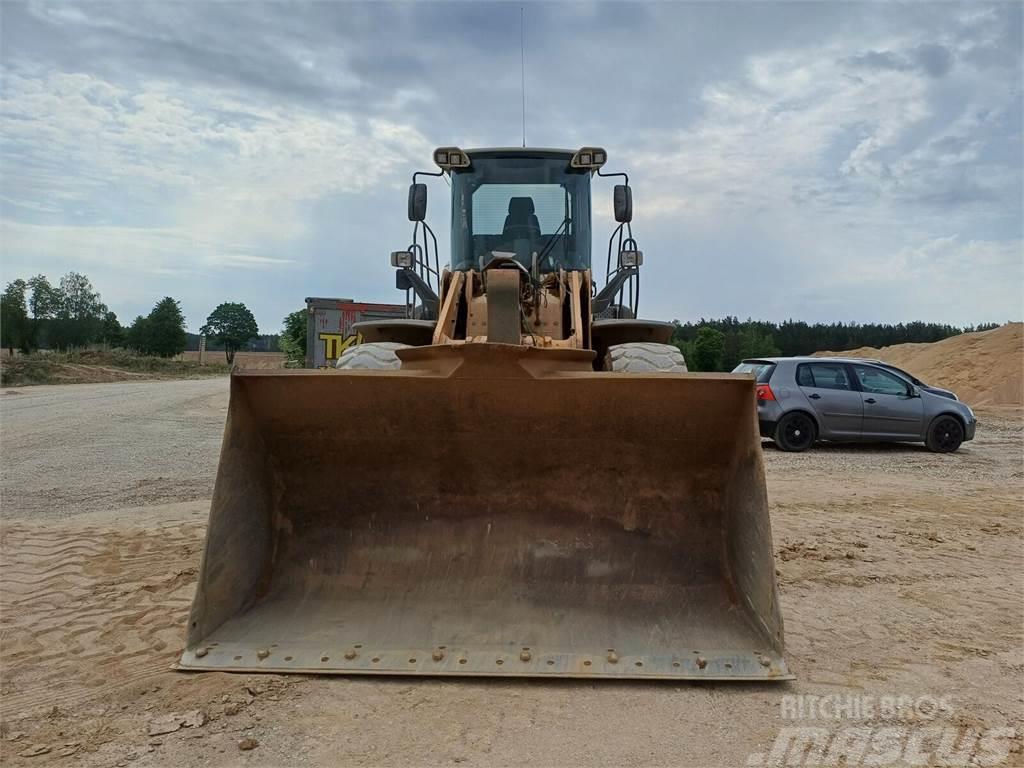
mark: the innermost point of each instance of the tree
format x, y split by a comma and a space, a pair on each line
231, 324
44, 303
14, 323
45, 300
708, 349
752, 338
79, 315
293, 339
137, 336
161, 333
754, 343
111, 332
164, 329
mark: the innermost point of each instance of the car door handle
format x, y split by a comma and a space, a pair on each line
815, 396
869, 400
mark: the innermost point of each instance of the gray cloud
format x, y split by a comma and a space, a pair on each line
933, 59
936, 60
881, 60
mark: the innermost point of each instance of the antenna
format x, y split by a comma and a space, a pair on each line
522, 62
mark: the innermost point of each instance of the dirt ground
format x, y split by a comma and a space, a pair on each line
901, 573
262, 360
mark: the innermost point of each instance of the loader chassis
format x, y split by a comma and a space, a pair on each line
518, 479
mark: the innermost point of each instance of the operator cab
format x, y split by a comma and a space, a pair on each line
530, 205
519, 207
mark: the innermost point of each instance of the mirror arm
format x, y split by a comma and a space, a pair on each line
425, 173
625, 176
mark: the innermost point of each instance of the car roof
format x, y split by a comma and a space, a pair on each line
812, 359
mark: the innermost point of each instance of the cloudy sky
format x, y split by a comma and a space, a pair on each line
822, 161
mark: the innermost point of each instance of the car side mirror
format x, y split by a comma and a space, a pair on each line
623, 203
915, 391
417, 202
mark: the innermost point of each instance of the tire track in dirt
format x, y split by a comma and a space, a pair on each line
86, 611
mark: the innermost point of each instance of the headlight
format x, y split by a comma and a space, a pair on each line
450, 157
401, 259
591, 158
631, 258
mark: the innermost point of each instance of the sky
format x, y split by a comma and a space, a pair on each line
817, 161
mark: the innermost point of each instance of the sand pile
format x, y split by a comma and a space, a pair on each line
985, 368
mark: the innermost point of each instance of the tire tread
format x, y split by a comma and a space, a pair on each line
376, 356
641, 357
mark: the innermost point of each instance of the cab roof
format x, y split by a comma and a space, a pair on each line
520, 151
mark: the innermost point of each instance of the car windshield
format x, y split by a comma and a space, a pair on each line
762, 370
527, 208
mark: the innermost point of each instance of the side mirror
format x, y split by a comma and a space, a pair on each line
623, 203
417, 202
915, 391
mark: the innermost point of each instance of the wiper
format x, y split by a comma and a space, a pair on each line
563, 229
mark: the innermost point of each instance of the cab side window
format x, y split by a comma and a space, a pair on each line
879, 382
823, 376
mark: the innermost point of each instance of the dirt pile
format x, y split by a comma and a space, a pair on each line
984, 368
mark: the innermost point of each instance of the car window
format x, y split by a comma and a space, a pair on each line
823, 376
901, 372
879, 382
762, 370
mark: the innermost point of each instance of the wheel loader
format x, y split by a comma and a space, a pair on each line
519, 478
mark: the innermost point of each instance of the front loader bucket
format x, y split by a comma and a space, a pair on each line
490, 510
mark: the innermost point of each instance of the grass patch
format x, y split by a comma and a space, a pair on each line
99, 365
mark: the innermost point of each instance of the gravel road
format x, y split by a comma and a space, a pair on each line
69, 449
900, 574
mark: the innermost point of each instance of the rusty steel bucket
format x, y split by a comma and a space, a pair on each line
490, 510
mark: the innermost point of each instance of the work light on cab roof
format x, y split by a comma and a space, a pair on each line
590, 158
450, 157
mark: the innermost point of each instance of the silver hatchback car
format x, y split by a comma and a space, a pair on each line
803, 399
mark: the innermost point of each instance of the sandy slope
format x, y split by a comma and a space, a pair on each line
985, 368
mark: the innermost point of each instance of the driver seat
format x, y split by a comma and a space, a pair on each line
521, 221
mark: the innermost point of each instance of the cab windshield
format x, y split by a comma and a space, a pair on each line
532, 209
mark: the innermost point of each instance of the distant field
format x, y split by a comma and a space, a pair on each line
242, 359
95, 366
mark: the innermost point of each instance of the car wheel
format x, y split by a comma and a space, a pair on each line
795, 432
945, 434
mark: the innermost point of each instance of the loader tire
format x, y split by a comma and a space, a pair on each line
377, 356
644, 358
